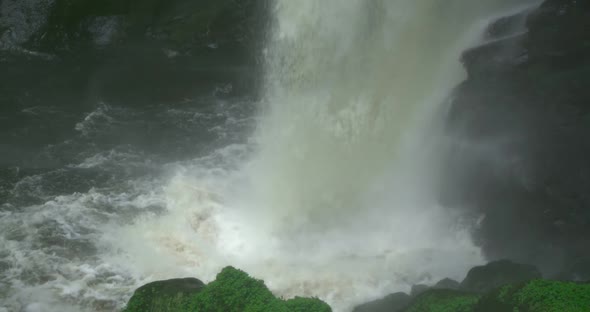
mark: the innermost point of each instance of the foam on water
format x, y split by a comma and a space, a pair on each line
51, 255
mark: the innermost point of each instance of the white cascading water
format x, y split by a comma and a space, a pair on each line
337, 199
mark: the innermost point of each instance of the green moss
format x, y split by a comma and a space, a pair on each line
443, 300
554, 296
503, 293
232, 291
164, 295
299, 304
538, 296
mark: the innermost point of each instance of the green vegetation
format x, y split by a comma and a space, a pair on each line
533, 296
235, 291
164, 295
538, 296
232, 291
443, 300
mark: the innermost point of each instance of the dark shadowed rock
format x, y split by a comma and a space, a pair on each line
177, 24
418, 289
119, 53
392, 303
443, 300
507, 26
495, 274
447, 283
496, 57
579, 271
519, 130
560, 31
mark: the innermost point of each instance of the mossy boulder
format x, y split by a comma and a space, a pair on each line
495, 274
164, 295
443, 300
232, 291
392, 303
537, 296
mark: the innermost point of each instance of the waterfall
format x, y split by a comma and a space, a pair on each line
334, 195
348, 138
352, 89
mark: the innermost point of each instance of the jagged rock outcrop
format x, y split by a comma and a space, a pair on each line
519, 128
484, 278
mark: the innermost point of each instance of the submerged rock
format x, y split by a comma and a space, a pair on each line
495, 274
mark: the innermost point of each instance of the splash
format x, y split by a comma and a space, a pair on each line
337, 199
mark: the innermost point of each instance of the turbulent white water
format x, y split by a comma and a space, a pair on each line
331, 197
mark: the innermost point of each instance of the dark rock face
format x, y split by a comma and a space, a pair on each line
507, 26
495, 274
418, 289
579, 272
54, 26
443, 300
519, 128
63, 59
159, 50
447, 283
392, 303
